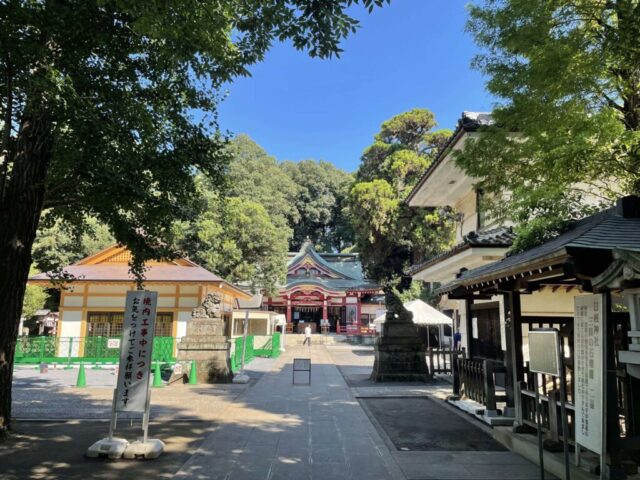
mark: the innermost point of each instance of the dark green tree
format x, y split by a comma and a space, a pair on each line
567, 127
236, 238
96, 109
257, 176
320, 201
390, 234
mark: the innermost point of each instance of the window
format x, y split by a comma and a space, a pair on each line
110, 324
164, 324
104, 324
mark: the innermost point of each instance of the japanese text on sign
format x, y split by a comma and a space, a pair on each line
136, 351
588, 342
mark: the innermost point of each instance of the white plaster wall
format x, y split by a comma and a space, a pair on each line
106, 301
161, 288
118, 289
183, 318
71, 327
188, 289
72, 301
188, 302
467, 207
166, 302
546, 303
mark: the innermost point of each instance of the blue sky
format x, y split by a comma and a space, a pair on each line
412, 53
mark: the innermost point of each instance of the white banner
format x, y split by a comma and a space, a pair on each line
136, 351
588, 335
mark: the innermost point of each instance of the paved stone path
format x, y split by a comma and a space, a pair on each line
277, 430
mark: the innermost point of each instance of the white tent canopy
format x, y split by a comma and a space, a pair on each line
423, 314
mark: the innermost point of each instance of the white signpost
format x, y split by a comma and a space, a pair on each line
545, 356
132, 392
588, 359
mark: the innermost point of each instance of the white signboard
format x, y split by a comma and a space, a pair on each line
113, 343
544, 352
588, 332
137, 348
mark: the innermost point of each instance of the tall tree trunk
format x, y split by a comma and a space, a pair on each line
20, 209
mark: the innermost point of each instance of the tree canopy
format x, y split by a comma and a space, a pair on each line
390, 234
567, 127
307, 197
97, 116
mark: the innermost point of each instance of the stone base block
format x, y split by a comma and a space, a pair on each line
212, 360
400, 356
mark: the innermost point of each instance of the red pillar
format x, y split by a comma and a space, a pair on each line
324, 310
288, 311
358, 312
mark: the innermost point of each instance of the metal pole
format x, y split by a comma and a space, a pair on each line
245, 327
147, 411
563, 411
114, 414
539, 425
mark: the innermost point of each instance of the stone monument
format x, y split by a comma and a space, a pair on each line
205, 342
400, 354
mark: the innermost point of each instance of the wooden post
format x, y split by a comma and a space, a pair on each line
489, 386
514, 361
456, 373
431, 362
469, 323
610, 398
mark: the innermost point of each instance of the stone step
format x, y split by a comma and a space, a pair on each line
316, 339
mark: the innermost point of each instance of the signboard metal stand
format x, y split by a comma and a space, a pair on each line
134, 374
542, 342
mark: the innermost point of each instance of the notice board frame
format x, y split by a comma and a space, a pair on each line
303, 365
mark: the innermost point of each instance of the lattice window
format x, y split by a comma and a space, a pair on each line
109, 324
164, 324
104, 324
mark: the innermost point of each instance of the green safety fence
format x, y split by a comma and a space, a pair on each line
270, 349
33, 350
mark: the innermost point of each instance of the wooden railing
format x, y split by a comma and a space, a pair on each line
441, 360
477, 381
549, 394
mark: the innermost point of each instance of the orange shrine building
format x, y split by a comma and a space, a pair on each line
93, 304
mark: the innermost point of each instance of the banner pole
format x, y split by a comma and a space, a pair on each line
563, 410
539, 425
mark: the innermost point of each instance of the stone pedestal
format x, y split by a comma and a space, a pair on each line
400, 354
206, 344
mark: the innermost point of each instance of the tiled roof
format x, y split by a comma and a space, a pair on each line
155, 273
469, 122
501, 237
607, 230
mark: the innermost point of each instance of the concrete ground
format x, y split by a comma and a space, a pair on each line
342, 426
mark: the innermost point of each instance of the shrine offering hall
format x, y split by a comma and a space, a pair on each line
327, 291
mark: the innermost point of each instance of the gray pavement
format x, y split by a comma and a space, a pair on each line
277, 430
268, 429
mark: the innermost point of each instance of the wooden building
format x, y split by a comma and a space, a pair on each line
598, 259
93, 304
479, 240
327, 289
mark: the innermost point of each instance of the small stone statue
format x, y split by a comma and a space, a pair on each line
211, 307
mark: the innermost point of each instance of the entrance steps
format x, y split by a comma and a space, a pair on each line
316, 339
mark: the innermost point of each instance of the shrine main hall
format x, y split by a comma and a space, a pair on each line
327, 289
